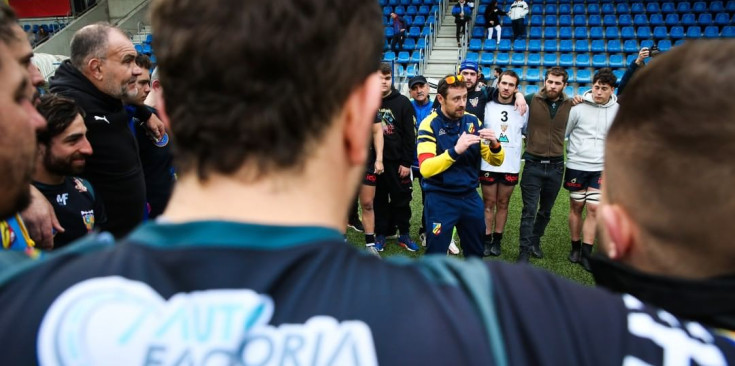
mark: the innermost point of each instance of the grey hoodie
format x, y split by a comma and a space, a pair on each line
587, 128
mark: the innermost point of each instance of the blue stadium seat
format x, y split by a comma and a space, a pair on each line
616, 61
566, 45
672, 19
393, 2
489, 45
486, 70
644, 32
550, 9
478, 32
536, 20
138, 47
565, 8
607, 8
414, 32
630, 59
679, 42
412, 10
502, 59
425, 31
676, 32
618, 74
612, 33
614, 46
596, 33
419, 21
728, 32
688, 19
550, 59
704, 19
652, 7
656, 20
519, 45
579, 9
722, 19
535, 33
637, 8
387, 10
694, 32
423, 10
534, 45
409, 44
565, 32
400, 10
475, 45
583, 89
711, 32
533, 74
630, 45
668, 7
583, 76
518, 59
569, 91
622, 8
565, 20
534, 59
389, 56
699, 7
594, 20
716, 6
572, 76
683, 7
627, 33
472, 57
664, 45
566, 60
404, 57
625, 20
640, 20
531, 89
147, 49
537, 9
480, 20
550, 33
730, 6
609, 20
580, 20
581, 45
550, 45
659, 32
421, 44
599, 61
593, 8
580, 32
388, 32
504, 45
646, 43
582, 60
417, 56
597, 46
486, 58
550, 21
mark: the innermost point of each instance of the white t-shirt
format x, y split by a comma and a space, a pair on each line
508, 125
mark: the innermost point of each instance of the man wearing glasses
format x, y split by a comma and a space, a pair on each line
451, 144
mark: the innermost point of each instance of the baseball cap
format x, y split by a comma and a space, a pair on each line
468, 65
418, 79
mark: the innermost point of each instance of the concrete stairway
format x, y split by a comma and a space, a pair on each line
444, 56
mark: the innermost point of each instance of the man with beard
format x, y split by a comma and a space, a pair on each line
62, 152
449, 153
544, 156
100, 73
478, 95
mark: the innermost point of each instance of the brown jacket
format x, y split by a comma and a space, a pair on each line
544, 135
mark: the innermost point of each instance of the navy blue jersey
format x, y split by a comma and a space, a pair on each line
229, 293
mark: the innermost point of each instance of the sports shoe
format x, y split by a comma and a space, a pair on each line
523, 255
422, 239
453, 249
406, 242
536, 250
354, 223
372, 251
487, 244
575, 253
379, 242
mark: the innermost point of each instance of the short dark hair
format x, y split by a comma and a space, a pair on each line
510, 73
386, 68
59, 112
90, 41
557, 71
143, 61
8, 20
253, 85
443, 87
605, 76
499, 70
657, 131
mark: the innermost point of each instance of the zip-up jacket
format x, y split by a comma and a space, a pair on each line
399, 123
457, 10
545, 131
587, 128
443, 169
518, 10
422, 111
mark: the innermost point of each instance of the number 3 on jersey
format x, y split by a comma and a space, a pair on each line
504, 118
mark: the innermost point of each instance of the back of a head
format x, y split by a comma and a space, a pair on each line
668, 157
252, 85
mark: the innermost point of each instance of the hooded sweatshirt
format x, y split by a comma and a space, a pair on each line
114, 168
587, 128
399, 124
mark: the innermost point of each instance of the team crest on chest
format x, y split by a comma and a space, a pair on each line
474, 101
471, 128
88, 218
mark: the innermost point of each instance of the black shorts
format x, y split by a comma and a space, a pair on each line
490, 178
370, 179
578, 180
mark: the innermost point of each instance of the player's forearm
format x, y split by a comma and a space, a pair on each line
431, 165
494, 157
